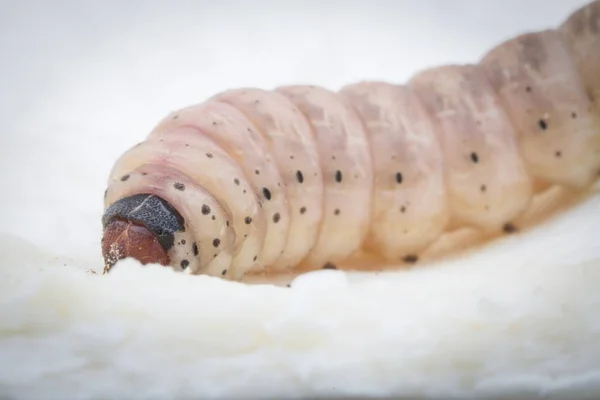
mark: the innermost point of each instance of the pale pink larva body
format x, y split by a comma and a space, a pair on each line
301, 177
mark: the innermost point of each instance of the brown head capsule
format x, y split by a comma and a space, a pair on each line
123, 239
143, 227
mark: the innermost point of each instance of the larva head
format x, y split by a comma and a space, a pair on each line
141, 226
123, 239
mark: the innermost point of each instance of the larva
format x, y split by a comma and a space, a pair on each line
300, 177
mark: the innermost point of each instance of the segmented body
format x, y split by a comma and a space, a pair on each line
301, 177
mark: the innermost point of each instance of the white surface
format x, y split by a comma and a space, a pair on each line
81, 82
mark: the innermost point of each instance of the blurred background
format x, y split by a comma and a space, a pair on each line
82, 81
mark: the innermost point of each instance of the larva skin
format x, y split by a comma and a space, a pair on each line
301, 177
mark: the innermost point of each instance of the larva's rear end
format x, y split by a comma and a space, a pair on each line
262, 182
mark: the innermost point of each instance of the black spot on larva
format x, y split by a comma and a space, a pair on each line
124, 178
214, 123
291, 157
276, 217
176, 116
558, 154
528, 88
474, 157
573, 115
299, 176
216, 242
257, 172
183, 241
144, 173
184, 264
215, 255
255, 258
236, 181
338, 176
509, 228
226, 223
248, 220
288, 285
209, 155
195, 249
179, 186
410, 259
105, 193
399, 177
302, 210
205, 209
267, 193
336, 211
543, 124
245, 235
223, 272
483, 188
244, 191
213, 217
403, 209
329, 265
333, 157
